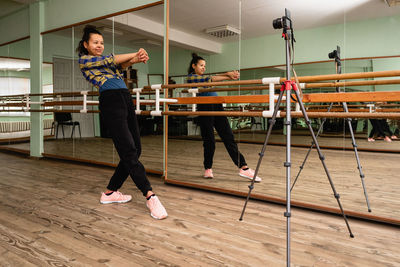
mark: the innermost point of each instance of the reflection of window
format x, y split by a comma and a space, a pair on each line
130, 78
15, 80
15, 76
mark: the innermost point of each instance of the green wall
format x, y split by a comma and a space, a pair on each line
18, 49
78, 10
60, 45
383, 65
16, 25
356, 39
368, 38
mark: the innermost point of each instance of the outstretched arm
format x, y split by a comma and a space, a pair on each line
231, 75
126, 60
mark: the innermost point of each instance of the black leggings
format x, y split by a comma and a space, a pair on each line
379, 127
221, 124
118, 115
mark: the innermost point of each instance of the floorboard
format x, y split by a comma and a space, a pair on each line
50, 215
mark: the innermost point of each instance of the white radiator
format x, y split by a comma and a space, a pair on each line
19, 126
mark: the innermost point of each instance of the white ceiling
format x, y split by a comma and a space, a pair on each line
189, 18
193, 16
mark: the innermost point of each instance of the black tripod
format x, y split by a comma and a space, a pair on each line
286, 23
338, 64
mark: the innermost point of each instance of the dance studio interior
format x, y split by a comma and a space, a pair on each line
309, 92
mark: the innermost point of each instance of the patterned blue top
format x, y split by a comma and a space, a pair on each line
100, 69
196, 78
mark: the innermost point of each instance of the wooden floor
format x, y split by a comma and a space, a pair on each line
381, 172
100, 150
50, 215
303, 138
185, 159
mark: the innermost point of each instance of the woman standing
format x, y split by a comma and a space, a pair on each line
196, 71
119, 116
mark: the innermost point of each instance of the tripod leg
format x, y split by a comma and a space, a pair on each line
353, 141
322, 158
261, 154
311, 147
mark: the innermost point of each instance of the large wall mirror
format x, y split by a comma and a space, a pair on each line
86, 140
232, 35
257, 46
191, 33
14, 83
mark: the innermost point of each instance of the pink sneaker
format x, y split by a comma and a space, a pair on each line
249, 174
371, 139
387, 139
208, 174
115, 197
157, 210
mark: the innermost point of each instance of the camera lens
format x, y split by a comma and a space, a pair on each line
277, 23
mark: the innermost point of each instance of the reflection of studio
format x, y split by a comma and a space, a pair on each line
269, 131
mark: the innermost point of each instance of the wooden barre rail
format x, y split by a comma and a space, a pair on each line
346, 76
307, 86
381, 115
302, 79
380, 108
352, 83
282, 114
67, 94
384, 96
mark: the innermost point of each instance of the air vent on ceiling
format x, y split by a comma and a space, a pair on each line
392, 2
223, 31
147, 42
107, 30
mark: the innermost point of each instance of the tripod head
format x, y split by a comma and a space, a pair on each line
284, 23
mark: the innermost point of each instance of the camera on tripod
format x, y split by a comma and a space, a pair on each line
284, 22
334, 54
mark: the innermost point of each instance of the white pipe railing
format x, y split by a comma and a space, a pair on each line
27, 100
157, 101
194, 92
85, 102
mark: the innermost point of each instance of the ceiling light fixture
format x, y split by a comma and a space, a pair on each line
222, 31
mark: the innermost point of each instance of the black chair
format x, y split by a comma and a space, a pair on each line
62, 119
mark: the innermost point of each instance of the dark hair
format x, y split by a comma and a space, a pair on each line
195, 59
87, 31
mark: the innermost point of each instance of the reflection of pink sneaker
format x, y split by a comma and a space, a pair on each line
208, 174
249, 174
115, 197
394, 137
157, 210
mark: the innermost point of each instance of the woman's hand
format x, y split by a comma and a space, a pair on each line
141, 56
230, 75
126, 60
233, 75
